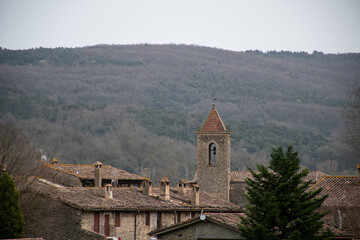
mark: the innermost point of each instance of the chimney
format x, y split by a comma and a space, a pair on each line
181, 187
358, 167
165, 189
146, 187
97, 172
108, 191
54, 161
195, 195
43, 159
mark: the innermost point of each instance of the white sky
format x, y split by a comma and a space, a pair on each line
331, 26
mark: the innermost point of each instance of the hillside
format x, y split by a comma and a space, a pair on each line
137, 107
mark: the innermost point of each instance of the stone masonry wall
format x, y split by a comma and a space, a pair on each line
127, 223
214, 179
237, 191
50, 219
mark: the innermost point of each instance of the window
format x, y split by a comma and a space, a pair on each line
178, 217
107, 225
212, 154
96, 222
147, 218
117, 219
158, 220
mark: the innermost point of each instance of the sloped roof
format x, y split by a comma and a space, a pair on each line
240, 176
342, 191
213, 122
229, 220
127, 199
87, 171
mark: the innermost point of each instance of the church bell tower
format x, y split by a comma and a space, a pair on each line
213, 156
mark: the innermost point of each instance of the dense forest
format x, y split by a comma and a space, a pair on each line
137, 107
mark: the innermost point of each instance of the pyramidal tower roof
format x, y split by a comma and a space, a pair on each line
213, 122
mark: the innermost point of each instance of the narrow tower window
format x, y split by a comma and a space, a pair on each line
212, 154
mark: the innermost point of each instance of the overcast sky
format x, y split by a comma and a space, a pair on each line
331, 26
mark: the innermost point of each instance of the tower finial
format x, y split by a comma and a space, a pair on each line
214, 100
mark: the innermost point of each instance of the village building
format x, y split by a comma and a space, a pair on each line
213, 156
71, 201
342, 204
53, 211
81, 175
214, 226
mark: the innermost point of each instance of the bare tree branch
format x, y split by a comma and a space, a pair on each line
352, 116
16, 151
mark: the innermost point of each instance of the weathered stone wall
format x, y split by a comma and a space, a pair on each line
237, 191
214, 179
342, 219
49, 219
201, 230
127, 223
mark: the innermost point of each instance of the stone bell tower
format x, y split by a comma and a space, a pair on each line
213, 156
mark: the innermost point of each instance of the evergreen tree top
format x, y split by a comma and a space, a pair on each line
280, 204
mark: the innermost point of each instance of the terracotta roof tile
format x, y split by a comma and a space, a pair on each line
341, 191
127, 198
240, 176
87, 171
213, 122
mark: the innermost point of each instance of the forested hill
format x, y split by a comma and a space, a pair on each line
137, 107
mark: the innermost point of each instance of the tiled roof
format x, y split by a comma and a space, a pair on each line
342, 191
127, 198
213, 122
230, 220
87, 171
240, 176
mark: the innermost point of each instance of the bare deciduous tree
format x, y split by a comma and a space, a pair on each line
16, 151
352, 117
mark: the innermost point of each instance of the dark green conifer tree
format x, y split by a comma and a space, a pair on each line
11, 219
280, 204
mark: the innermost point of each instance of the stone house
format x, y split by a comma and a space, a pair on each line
342, 204
81, 175
54, 211
208, 226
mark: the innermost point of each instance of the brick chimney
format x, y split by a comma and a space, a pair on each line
195, 195
146, 187
165, 189
181, 187
97, 173
358, 167
108, 191
54, 161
